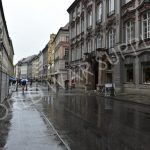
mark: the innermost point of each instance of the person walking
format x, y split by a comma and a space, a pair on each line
24, 85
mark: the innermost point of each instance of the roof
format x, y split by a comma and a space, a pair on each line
72, 6
65, 28
45, 48
27, 60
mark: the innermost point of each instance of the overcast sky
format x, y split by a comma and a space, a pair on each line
30, 23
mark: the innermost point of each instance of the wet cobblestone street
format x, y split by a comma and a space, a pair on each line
71, 120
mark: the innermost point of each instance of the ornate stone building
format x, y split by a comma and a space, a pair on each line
109, 43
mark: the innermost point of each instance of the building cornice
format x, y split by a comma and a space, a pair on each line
72, 6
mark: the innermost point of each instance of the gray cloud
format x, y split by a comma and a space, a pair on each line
30, 22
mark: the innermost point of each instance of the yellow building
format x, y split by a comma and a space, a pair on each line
51, 46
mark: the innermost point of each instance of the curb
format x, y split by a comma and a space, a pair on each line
127, 101
111, 97
51, 125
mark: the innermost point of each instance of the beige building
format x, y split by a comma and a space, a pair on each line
51, 46
35, 68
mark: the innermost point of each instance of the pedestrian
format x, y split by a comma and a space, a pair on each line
24, 85
31, 81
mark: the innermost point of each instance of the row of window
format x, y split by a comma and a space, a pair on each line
145, 73
129, 32
111, 10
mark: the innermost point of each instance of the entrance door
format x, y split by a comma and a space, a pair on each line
109, 77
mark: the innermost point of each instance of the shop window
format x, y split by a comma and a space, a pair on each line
146, 73
129, 73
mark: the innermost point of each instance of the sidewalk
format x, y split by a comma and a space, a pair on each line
28, 129
125, 97
133, 98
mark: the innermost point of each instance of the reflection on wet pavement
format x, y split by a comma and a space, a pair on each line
84, 122
28, 130
92, 123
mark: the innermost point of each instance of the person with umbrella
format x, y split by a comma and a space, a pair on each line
24, 84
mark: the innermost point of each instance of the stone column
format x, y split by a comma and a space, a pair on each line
118, 75
100, 72
136, 72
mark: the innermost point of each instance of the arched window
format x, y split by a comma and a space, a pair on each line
98, 42
129, 31
146, 25
111, 38
111, 7
89, 46
90, 18
99, 12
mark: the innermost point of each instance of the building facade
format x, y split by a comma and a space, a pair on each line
45, 62
35, 68
109, 43
51, 46
61, 52
24, 68
6, 56
40, 65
